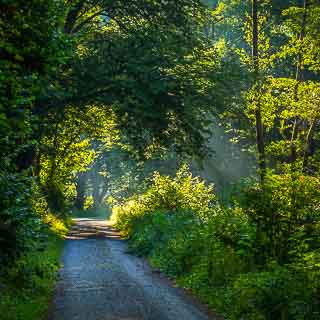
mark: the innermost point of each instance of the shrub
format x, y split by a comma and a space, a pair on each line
286, 212
279, 293
179, 247
30, 246
257, 261
19, 223
27, 286
166, 194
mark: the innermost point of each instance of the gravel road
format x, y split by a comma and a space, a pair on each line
100, 281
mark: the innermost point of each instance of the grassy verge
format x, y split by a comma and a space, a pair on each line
27, 287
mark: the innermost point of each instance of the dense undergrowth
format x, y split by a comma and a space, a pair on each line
31, 242
257, 259
27, 286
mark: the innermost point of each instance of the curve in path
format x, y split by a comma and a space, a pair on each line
100, 281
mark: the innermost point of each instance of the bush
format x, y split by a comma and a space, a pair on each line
26, 288
166, 194
19, 224
31, 241
286, 212
280, 293
257, 261
175, 241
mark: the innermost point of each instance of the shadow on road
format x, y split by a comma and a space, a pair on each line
92, 228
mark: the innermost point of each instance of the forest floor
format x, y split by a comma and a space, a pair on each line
101, 281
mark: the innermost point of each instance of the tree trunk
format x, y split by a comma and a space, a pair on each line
72, 16
96, 194
80, 188
294, 135
258, 118
307, 148
99, 190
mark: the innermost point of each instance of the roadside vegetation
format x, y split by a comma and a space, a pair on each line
255, 259
27, 283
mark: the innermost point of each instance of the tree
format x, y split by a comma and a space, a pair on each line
255, 58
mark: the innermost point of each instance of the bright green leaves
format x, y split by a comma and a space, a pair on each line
70, 147
282, 100
286, 86
300, 29
165, 194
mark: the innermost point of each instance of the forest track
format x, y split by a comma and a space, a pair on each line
101, 281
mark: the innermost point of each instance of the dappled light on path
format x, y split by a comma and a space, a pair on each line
86, 228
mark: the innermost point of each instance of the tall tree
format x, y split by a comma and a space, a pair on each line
258, 117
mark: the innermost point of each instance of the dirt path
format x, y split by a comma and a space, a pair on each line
100, 281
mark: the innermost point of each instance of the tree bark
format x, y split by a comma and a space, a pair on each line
298, 78
80, 189
26, 158
72, 16
99, 188
258, 118
307, 148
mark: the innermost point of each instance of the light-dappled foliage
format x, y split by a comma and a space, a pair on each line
254, 261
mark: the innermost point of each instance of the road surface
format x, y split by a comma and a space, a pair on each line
100, 281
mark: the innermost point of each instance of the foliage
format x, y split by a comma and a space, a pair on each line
137, 62
183, 192
278, 293
70, 149
20, 225
256, 260
96, 94
31, 243
286, 213
26, 288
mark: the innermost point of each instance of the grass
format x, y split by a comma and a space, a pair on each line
28, 286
